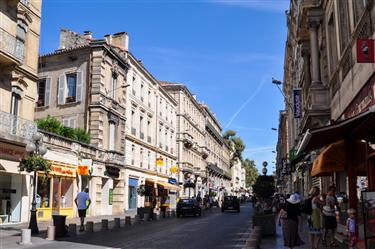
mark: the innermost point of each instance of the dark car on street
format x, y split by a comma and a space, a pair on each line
188, 206
230, 203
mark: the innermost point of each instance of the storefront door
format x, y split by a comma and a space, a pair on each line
10, 197
132, 197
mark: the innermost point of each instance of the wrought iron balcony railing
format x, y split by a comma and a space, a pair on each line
14, 126
11, 45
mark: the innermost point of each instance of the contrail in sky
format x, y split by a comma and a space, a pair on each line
255, 93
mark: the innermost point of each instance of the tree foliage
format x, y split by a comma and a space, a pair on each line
251, 172
264, 186
51, 124
236, 145
34, 163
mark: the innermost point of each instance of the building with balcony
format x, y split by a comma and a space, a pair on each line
191, 140
19, 46
325, 59
218, 160
83, 85
150, 138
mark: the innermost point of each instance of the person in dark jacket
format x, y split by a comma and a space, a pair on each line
291, 221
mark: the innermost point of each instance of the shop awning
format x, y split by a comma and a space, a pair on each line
9, 166
332, 159
358, 127
150, 180
167, 185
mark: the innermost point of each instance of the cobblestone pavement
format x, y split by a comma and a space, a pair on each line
212, 230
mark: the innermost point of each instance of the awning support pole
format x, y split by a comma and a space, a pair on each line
352, 176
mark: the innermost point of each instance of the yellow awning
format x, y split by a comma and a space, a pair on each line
167, 185
332, 159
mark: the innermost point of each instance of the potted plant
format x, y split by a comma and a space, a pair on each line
34, 163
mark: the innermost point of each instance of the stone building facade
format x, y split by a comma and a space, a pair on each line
218, 160
191, 140
19, 46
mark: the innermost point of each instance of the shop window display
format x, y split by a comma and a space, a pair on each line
43, 192
55, 203
66, 200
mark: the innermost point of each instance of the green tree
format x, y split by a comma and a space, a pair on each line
236, 145
251, 172
264, 186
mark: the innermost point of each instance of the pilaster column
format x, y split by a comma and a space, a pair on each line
313, 24
306, 63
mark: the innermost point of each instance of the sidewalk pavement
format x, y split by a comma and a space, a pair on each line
277, 242
10, 233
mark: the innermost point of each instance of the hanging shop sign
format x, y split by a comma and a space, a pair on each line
365, 51
85, 167
297, 103
172, 181
159, 161
174, 169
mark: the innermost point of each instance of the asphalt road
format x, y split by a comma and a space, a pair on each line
213, 230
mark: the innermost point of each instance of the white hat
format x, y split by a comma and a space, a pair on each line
294, 199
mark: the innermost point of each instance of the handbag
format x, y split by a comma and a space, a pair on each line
283, 214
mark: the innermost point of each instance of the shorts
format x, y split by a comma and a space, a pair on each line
82, 213
330, 222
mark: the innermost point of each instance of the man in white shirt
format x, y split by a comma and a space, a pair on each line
81, 200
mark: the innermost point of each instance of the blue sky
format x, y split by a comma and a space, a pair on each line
226, 52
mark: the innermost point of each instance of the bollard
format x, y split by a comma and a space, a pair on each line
25, 237
117, 223
127, 221
104, 224
89, 226
51, 233
137, 219
146, 217
72, 229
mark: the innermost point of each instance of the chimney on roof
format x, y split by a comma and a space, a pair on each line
121, 40
108, 39
87, 35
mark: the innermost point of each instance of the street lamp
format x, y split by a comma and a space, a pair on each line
278, 83
35, 147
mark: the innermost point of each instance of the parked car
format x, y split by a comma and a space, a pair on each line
188, 206
230, 203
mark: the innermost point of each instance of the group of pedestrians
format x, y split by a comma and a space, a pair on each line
320, 211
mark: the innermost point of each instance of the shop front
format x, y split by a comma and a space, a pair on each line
55, 191
13, 185
348, 160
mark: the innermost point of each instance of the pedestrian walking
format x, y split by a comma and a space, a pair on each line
329, 214
291, 221
314, 219
83, 202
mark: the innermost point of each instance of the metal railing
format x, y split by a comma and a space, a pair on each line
11, 45
16, 126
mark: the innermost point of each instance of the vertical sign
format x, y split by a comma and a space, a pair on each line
297, 102
365, 51
110, 196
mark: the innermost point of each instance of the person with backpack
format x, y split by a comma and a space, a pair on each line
313, 206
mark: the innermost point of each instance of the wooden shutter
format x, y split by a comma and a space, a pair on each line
61, 93
47, 91
79, 86
72, 123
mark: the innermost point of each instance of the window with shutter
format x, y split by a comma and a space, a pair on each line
41, 93
61, 92
79, 86
71, 80
111, 140
47, 92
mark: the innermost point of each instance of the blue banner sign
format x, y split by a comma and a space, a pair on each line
297, 103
